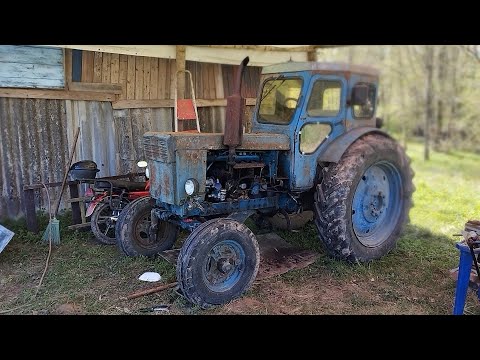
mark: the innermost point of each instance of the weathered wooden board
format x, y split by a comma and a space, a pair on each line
31, 67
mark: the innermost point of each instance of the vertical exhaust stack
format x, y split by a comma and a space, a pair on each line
232, 136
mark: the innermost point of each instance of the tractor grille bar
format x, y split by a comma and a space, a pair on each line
156, 149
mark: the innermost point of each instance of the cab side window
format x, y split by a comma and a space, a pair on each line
325, 99
367, 110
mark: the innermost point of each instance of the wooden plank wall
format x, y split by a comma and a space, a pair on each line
146, 78
31, 67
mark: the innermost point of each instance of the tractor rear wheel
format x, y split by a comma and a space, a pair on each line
218, 262
363, 201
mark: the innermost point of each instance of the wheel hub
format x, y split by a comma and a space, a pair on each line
224, 265
374, 206
376, 203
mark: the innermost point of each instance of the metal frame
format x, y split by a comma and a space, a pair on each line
193, 99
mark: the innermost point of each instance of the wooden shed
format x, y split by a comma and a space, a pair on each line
114, 93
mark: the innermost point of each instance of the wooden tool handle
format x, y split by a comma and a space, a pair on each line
151, 290
72, 152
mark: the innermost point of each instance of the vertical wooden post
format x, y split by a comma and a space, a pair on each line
76, 215
180, 62
312, 54
180, 56
67, 58
30, 213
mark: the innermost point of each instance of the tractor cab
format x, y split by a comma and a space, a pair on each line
314, 104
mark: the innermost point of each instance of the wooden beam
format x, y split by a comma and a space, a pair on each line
56, 94
180, 56
79, 226
68, 67
96, 87
312, 55
141, 104
76, 215
278, 48
168, 103
30, 211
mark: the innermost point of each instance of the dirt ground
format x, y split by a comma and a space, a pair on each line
84, 277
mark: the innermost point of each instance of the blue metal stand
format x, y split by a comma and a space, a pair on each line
464, 268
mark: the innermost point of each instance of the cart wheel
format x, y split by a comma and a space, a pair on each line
104, 219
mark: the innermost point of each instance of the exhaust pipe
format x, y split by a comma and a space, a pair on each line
233, 134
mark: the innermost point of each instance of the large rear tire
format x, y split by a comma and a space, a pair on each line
218, 262
363, 201
133, 227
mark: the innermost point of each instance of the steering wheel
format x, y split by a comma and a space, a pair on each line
290, 99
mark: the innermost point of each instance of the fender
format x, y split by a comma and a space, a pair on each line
337, 147
93, 204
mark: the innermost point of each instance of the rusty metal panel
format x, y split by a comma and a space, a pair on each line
33, 149
203, 141
190, 164
163, 181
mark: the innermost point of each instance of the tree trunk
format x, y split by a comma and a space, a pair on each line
454, 93
429, 113
442, 94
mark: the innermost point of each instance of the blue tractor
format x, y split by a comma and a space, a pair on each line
315, 145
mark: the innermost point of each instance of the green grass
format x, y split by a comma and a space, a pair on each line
412, 279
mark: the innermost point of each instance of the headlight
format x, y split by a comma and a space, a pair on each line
147, 173
191, 186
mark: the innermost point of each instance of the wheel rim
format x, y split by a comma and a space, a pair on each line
141, 232
377, 204
107, 218
224, 266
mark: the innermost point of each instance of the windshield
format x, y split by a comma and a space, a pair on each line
279, 100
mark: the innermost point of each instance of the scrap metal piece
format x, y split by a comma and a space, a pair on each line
5, 237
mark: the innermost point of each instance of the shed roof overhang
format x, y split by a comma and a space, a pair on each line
260, 55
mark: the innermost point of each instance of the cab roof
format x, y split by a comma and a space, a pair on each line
327, 67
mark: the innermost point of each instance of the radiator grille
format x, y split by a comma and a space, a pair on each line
156, 149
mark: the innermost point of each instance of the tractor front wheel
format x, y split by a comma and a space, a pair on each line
363, 201
132, 231
218, 262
